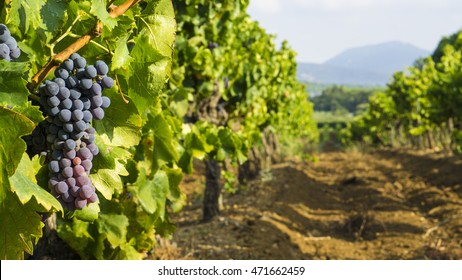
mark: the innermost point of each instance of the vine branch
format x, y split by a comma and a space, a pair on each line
114, 12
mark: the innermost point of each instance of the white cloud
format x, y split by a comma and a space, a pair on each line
266, 6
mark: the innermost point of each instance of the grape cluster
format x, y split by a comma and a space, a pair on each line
8, 46
70, 102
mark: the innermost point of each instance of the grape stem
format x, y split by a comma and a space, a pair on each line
114, 12
120, 91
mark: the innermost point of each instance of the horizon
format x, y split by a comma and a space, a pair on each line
312, 26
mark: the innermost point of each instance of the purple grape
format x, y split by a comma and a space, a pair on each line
72, 82
106, 102
71, 182
61, 73
80, 203
90, 72
61, 187
82, 180
93, 198
107, 82
80, 62
65, 162
64, 93
67, 172
52, 88
53, 166
53, 101
60, 82
87, 164
87, 116
96, 89
4, 32
84, 153
69, 144
78, 104
15, 53
68, 64
96, 101
66, 104
101, 67
70, 154
86, 191
68, 127
79, 170
77, 115
98, 113
65, 115
85, 84
80, 126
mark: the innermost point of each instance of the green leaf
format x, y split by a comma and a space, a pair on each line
163, 149
13, 91
152, 54
176, 197
21, 225
98, 9
31, 112
25, 186
53, 13
128, 252
25, 14
114, 227
88, 214
152, 194
107, 181
121, 125
13, 125
121, 58
76, 234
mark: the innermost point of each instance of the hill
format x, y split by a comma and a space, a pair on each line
366, 65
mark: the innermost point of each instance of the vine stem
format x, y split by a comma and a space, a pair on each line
114, 12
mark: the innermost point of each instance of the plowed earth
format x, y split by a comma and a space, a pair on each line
385, 204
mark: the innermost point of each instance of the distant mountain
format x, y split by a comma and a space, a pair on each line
327, 74
367, 65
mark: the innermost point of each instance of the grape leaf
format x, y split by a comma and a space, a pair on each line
14, 125
13, 91
128, 252
98, 9
107, 181
53, 13
121, 124
25, 186
163, 149
25, 14
114, 227
88, 213
21, 225
152, 194
121, 58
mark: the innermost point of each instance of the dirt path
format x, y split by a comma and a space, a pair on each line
380, 205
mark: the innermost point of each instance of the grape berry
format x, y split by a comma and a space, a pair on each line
8, 46
70, 102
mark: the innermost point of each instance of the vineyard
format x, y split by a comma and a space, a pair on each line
158, 129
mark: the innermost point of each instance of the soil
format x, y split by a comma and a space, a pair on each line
385, 204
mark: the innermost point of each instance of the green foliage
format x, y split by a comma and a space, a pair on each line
236, 89
342, 99
418, 103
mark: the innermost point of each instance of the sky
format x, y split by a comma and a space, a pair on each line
320, 29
